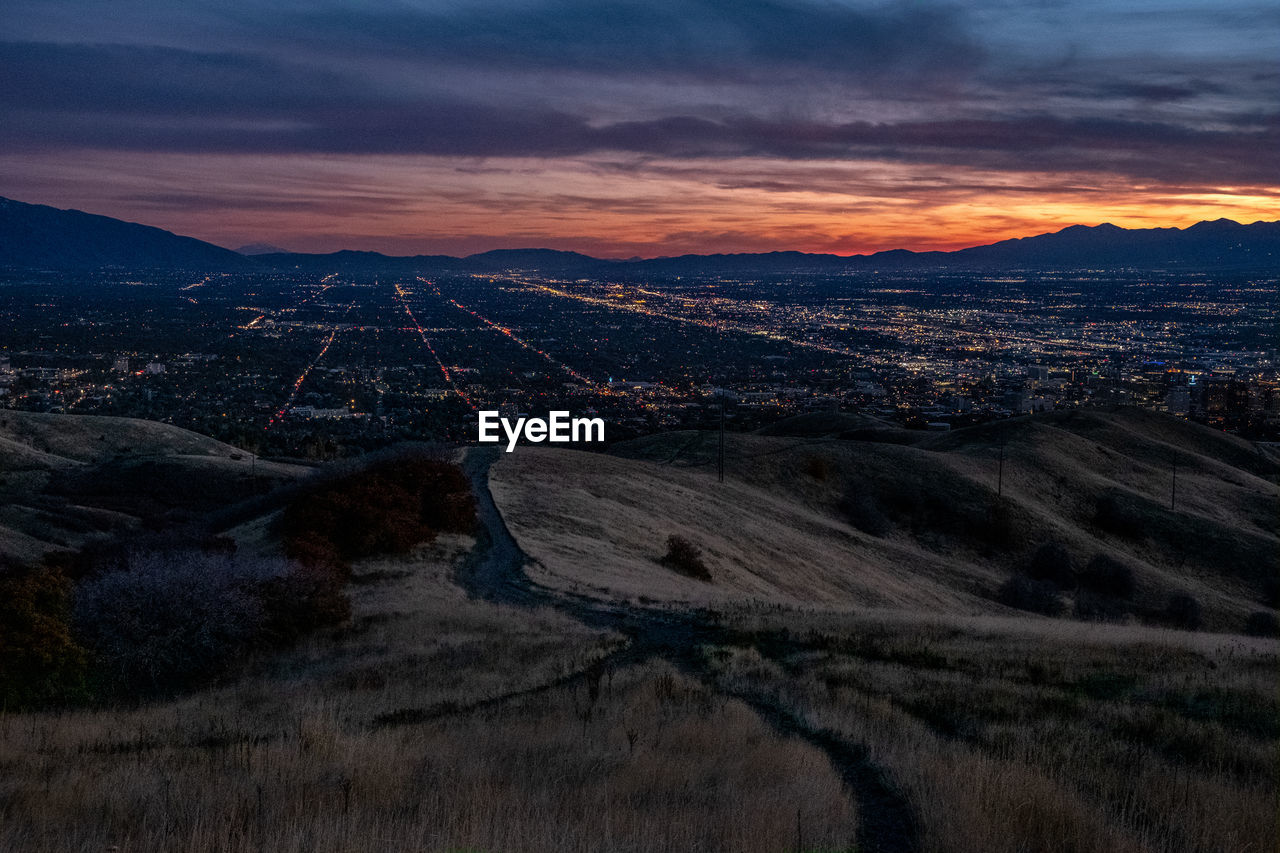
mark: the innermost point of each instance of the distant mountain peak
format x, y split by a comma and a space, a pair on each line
45, 237
37, 235
261, 249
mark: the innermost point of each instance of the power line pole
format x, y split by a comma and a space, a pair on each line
720, 449
1000, 474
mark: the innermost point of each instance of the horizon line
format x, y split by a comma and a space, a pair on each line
638, 258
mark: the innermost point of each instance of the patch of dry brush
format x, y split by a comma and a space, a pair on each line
384, 737
1116, 742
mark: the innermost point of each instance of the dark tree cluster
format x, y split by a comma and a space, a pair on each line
386, 508
41, 661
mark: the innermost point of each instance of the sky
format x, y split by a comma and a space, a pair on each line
629, 128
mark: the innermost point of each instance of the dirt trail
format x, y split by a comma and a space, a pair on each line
495, 571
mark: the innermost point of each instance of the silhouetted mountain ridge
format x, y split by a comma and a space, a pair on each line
46, 237
39, 236
261, 249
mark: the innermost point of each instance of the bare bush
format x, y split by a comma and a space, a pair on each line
384, 509
864, 513
1105, 575
1095, 606
40, 662
686, 558
1271, 591
1027, 593
1052, 562
1184, 611
818, 468
1121, 514
1262, 624
169, 620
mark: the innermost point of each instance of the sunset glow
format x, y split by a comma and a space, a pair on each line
620, 129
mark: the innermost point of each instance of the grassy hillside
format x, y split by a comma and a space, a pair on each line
68, 479
430, 721
837, 523
863, 684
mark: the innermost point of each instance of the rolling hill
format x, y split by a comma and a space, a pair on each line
861, 682
68, 479
830, 512
830, 523
36, 235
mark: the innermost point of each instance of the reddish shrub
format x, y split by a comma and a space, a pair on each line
385, 509
40, 662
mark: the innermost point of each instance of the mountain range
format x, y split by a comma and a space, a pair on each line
39, 236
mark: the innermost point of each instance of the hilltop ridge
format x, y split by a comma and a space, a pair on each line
928, 526
33, 235
66, 480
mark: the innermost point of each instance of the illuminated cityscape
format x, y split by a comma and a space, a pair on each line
302, 364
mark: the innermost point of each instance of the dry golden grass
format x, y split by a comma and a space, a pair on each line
371, 740
59, 440
775, 531
660, 764
36, 448
437, 722
600, 524
1020, 740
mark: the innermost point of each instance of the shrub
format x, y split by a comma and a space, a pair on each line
1271, 591
1183, 611
1092, 605
1262, 624
40, 662
1052, 562
1105, 575
864, 513
1035, 596
385, 509
817, 468
306, 597
170, 620
686, 558
1119, 514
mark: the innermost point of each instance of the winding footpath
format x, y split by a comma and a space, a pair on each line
495, 571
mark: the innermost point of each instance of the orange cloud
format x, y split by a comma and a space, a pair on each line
416, 204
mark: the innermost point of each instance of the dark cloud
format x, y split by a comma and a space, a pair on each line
145, 98
146, 80
794, 80
705, 39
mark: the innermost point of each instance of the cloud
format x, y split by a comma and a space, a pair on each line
716, 39
165, 99
758, 98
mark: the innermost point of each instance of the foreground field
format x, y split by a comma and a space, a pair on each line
431, 722
554, 682
1010, 737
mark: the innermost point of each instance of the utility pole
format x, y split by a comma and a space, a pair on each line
720, 449
1000, 474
